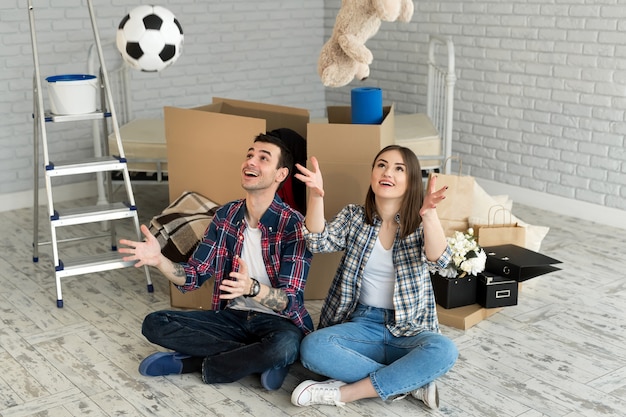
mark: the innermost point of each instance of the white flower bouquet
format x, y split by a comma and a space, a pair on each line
468, 258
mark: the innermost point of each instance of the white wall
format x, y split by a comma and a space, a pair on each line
540, 97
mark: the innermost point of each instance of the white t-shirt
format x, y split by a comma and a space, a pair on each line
378, 278
253, 257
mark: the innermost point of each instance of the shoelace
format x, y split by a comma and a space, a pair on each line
417, 394
323, 395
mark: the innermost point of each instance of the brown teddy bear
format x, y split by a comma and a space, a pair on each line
344, 56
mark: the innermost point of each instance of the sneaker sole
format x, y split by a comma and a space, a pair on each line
295, 396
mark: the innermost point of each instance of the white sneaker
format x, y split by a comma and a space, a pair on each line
428, 394
317, 393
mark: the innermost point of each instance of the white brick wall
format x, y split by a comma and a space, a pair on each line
541, 91
540, 97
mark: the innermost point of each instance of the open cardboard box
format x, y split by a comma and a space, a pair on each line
205, 148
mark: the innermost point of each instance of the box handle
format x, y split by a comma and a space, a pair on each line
503, 293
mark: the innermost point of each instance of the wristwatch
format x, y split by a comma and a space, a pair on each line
255, 288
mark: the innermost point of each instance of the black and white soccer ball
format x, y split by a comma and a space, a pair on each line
150, 38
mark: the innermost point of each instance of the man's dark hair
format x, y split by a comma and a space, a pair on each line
286, 157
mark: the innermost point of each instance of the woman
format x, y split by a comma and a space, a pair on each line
378, 334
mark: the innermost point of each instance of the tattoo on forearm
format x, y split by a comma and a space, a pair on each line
179, 271
276, 299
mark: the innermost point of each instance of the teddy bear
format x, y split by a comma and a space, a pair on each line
344, 56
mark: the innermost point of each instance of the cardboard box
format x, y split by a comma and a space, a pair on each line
454, 292
205, 148
345, 152
199, 299
464, 317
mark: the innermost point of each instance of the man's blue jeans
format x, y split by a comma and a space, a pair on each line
363, 347
233, 343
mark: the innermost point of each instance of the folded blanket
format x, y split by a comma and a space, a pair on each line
180, 227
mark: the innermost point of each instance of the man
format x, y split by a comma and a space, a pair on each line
255, 249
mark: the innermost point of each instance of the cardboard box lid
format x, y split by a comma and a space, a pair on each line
343, 115
518, 263
276, 116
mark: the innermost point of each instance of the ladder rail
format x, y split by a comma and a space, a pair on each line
99, 164
35, 184
39, 113
109, 97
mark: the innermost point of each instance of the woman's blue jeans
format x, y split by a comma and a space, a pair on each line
233, 343
363, 347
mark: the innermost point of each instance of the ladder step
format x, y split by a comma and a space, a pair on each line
91, 214
51, 117
86, 166
95, 263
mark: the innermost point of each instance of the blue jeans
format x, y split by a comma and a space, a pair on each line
232, 343
363, 347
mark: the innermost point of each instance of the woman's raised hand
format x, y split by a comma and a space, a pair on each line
312, 178
433, 196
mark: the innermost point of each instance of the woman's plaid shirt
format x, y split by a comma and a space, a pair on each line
413, 298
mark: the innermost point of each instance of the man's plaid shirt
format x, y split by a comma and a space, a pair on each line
285, 255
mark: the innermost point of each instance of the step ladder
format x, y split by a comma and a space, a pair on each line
101, 164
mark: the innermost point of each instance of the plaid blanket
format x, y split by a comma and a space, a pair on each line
180, 227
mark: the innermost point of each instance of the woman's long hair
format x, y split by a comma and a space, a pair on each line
413, 199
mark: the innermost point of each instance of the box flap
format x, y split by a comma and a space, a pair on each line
343, 115
276, 116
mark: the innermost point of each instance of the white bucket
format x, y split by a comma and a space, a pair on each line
72, 93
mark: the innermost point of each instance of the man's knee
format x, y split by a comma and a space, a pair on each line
286, 345
151, 325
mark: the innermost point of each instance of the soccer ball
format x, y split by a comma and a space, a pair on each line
149, 38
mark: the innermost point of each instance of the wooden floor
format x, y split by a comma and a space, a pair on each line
560, 352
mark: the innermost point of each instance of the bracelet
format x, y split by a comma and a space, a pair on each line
255, 288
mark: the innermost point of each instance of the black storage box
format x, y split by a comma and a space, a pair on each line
454, 292
495, 291
518, 263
